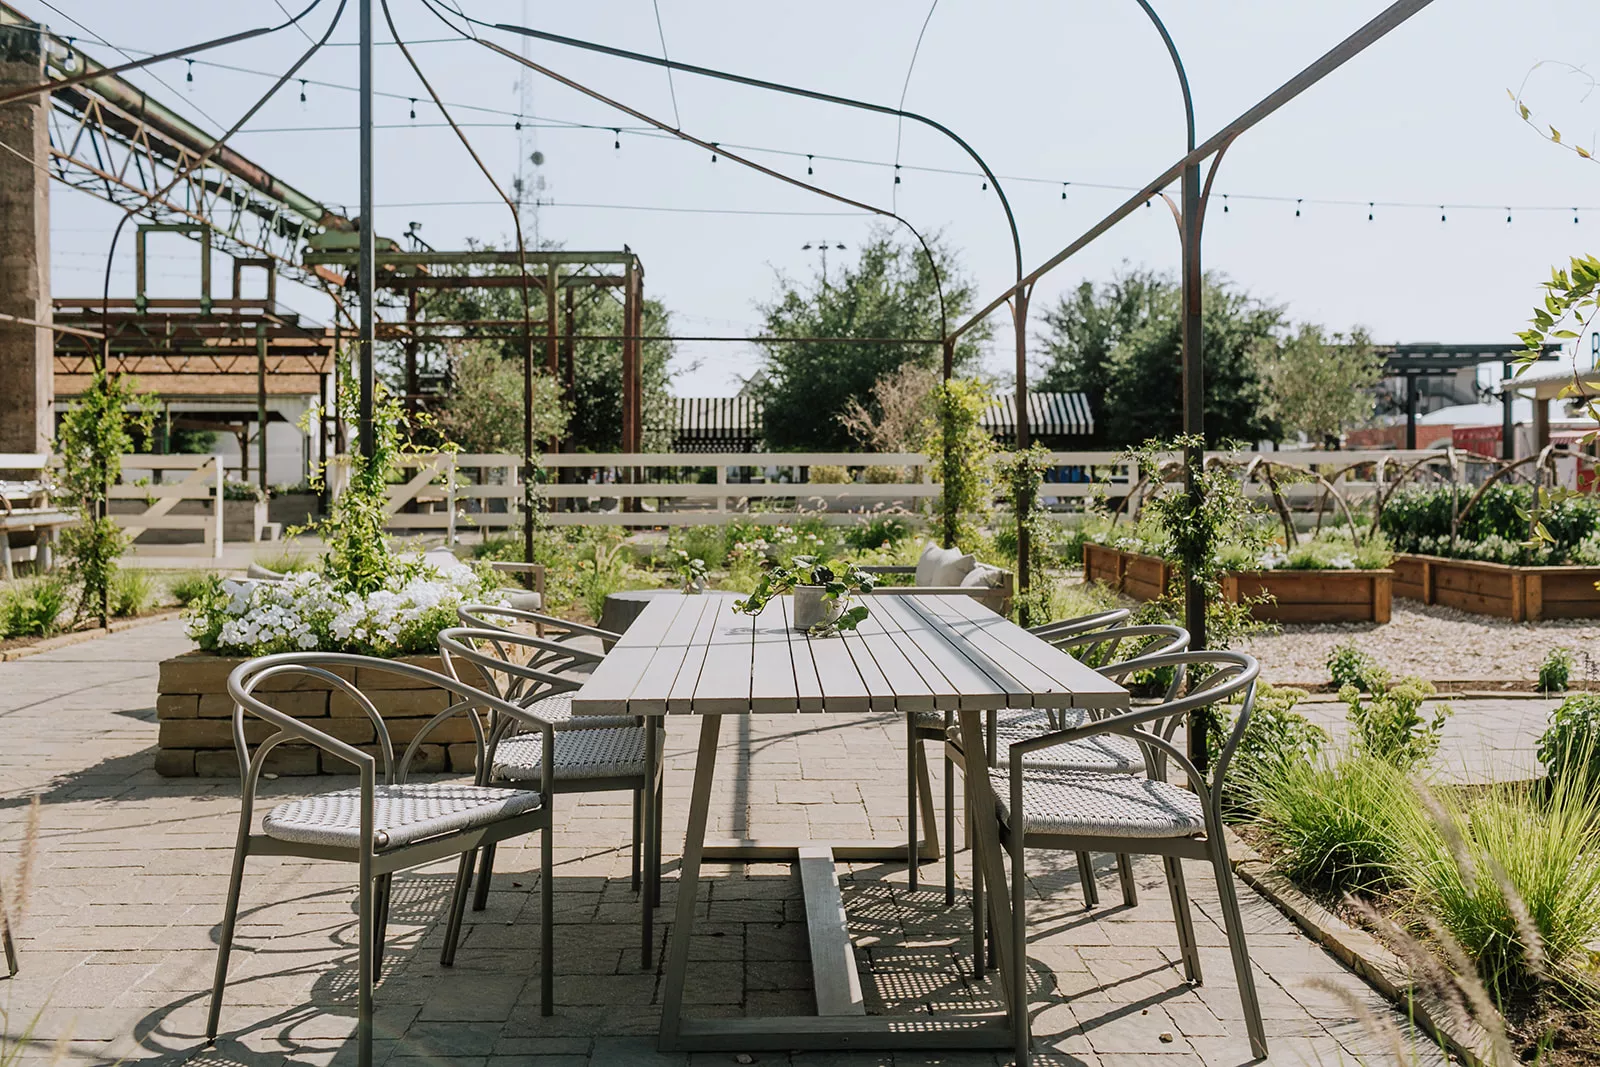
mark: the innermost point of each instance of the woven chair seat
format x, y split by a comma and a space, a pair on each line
401, 814
1037, 719
603, 753
1072, 802
557, 710
1100, 754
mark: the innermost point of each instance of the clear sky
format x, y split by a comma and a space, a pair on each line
1076, 91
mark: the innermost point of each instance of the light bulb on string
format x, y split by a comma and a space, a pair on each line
1369, 210
714, 147
897, 174
1574, 216
1224, 203
1441, 213
986, 185
616, 134
188, 74
413, 109
1064, 189
302, 91
809, 160
1297, 204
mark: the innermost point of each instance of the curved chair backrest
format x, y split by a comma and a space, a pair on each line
487, 651
335, 669
1082, 624
500, 617
1100, 648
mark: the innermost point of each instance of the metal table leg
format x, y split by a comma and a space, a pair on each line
841, 1022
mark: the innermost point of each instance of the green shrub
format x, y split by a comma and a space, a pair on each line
826, 474
288, 561
1515, 879
1556, 670
1276, 736
1338, 824
133, 592
1495, 530
877, 531
33, 608
191, 587
709, 543
1570, 746
1389, 725
1348, 664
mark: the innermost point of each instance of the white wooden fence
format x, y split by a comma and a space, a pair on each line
163, 504
457, 494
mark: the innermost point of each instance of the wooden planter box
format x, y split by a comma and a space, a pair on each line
243, 520
195, 716
1522, 594
1301, 596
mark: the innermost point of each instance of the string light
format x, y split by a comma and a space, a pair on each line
1508, 216
616, 134
1297, 204
1369, 210
986, 185
413, 109
1441, 212
1574, 216
302, 90
809, 160
517, 125
714, 147
897, 174
188, 74
1064, 189
1224, 203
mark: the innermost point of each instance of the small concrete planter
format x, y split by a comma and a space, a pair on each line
811, 610
1521, 594
195, 715
1298, 596
243, 520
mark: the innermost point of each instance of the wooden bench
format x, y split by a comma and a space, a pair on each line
25, 508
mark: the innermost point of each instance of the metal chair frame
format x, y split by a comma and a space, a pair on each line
376, 866
1234, 674
461, 644
553, 627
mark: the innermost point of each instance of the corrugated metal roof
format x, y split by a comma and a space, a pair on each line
1049, 415
717, 423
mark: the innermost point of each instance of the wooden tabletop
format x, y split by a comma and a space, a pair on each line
694, 654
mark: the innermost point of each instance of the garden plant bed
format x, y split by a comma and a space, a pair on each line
196, 720
1521, 594
1296, 596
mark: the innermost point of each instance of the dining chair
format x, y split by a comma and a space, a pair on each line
1067, 810
593, 760
551, 627
925, 726
1100, 649
381, 828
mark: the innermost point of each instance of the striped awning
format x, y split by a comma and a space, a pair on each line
717, 423
1049, 415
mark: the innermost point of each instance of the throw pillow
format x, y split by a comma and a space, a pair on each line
983, 576
943, 566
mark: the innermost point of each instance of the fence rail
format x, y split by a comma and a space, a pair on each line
166, 505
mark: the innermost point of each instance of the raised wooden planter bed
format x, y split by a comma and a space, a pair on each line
195, 717
1299, 596
1522, 594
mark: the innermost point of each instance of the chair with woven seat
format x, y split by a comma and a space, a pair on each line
382, 827
591, 760
1077, 811
925, 726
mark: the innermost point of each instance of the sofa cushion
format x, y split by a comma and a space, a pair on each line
983, 576
943, 566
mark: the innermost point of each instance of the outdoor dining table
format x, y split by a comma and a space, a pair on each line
695, 655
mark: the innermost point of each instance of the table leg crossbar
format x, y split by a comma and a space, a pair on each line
841, 1021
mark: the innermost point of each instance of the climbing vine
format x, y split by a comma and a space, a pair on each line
1022, 472
963, 466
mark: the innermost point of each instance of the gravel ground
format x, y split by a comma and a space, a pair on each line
1439, 644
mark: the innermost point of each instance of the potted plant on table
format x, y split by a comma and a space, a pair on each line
822, 593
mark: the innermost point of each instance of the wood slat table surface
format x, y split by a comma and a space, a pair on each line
694, 654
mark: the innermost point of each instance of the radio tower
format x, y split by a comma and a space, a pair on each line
528, 186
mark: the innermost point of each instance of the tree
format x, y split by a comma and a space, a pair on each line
483, 412
1317, 385
595, 422
889, 292
1122, 344
901, 405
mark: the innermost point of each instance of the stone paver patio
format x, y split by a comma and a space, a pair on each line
118, 942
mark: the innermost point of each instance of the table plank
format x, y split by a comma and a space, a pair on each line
665, 662
680, 696
725, 678
943, 692
837, 674
772, 680
911, 691
611, 686
808, 688
1047, 670
971, 687
880, 692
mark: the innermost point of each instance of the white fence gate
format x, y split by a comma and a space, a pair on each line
164, 505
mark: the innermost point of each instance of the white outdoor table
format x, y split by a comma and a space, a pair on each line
694, 655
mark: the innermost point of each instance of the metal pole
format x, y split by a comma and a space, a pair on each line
261, 403
1411, 411
366, 269
1194, 422
1023, 503
1508, 425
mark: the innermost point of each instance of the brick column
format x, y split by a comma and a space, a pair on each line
26, 352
